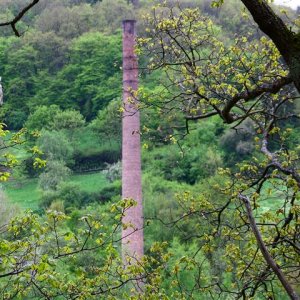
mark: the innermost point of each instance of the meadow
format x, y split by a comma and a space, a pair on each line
26, 193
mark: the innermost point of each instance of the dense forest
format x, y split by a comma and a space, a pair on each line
206, 167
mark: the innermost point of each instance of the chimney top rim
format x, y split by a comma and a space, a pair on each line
129, 21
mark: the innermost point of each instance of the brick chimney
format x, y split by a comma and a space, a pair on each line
132, 238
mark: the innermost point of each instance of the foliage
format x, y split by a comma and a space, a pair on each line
95, 160
90, 80
42, 118
108, 122
62, 66
71, 195
40, 270
55, 146
55, 173
8, 159
7, 210
238, 143
111, 192
241, 80
68, 119
113, 171
53, 118
190, 158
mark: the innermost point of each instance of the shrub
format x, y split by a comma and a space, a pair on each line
7, 210
113, 171
109, 192
55, 146
238, 141
96, 160
55, 173
69, 195
42, 117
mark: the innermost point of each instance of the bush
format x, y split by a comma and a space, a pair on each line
42, 117
68, 196
113, 171
189, 166
97, 160
29, 169
7, 209
55, 146
109, 192
55, 173
16, 119
238, 144
68, 119
191, 262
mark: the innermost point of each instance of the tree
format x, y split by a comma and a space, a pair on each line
38, 253
55, 145
239, 80
55, 173
69, 120
92, 77
275, 170
285, 39
108, 122
58, 152
42, 118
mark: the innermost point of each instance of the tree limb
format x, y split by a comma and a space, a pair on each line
266, 254
18, 17
271, 24
250, 95
286, 41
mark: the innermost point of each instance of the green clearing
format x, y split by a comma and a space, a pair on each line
27, 194
272, 197
90, 182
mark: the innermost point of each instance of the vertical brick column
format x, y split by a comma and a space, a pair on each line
132, 238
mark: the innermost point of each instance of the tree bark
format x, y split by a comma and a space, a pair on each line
286, 41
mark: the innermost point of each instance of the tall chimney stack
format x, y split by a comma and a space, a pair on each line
135, 3
132, 237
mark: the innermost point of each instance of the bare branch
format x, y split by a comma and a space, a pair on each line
266, 254
18, 17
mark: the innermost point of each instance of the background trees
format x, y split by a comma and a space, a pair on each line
198, 242
238, 80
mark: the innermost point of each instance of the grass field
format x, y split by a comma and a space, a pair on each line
27, 194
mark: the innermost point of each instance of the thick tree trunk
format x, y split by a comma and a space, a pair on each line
287, 42
294, 64
132, 237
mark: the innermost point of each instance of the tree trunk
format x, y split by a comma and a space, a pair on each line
132, 237
286, 41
